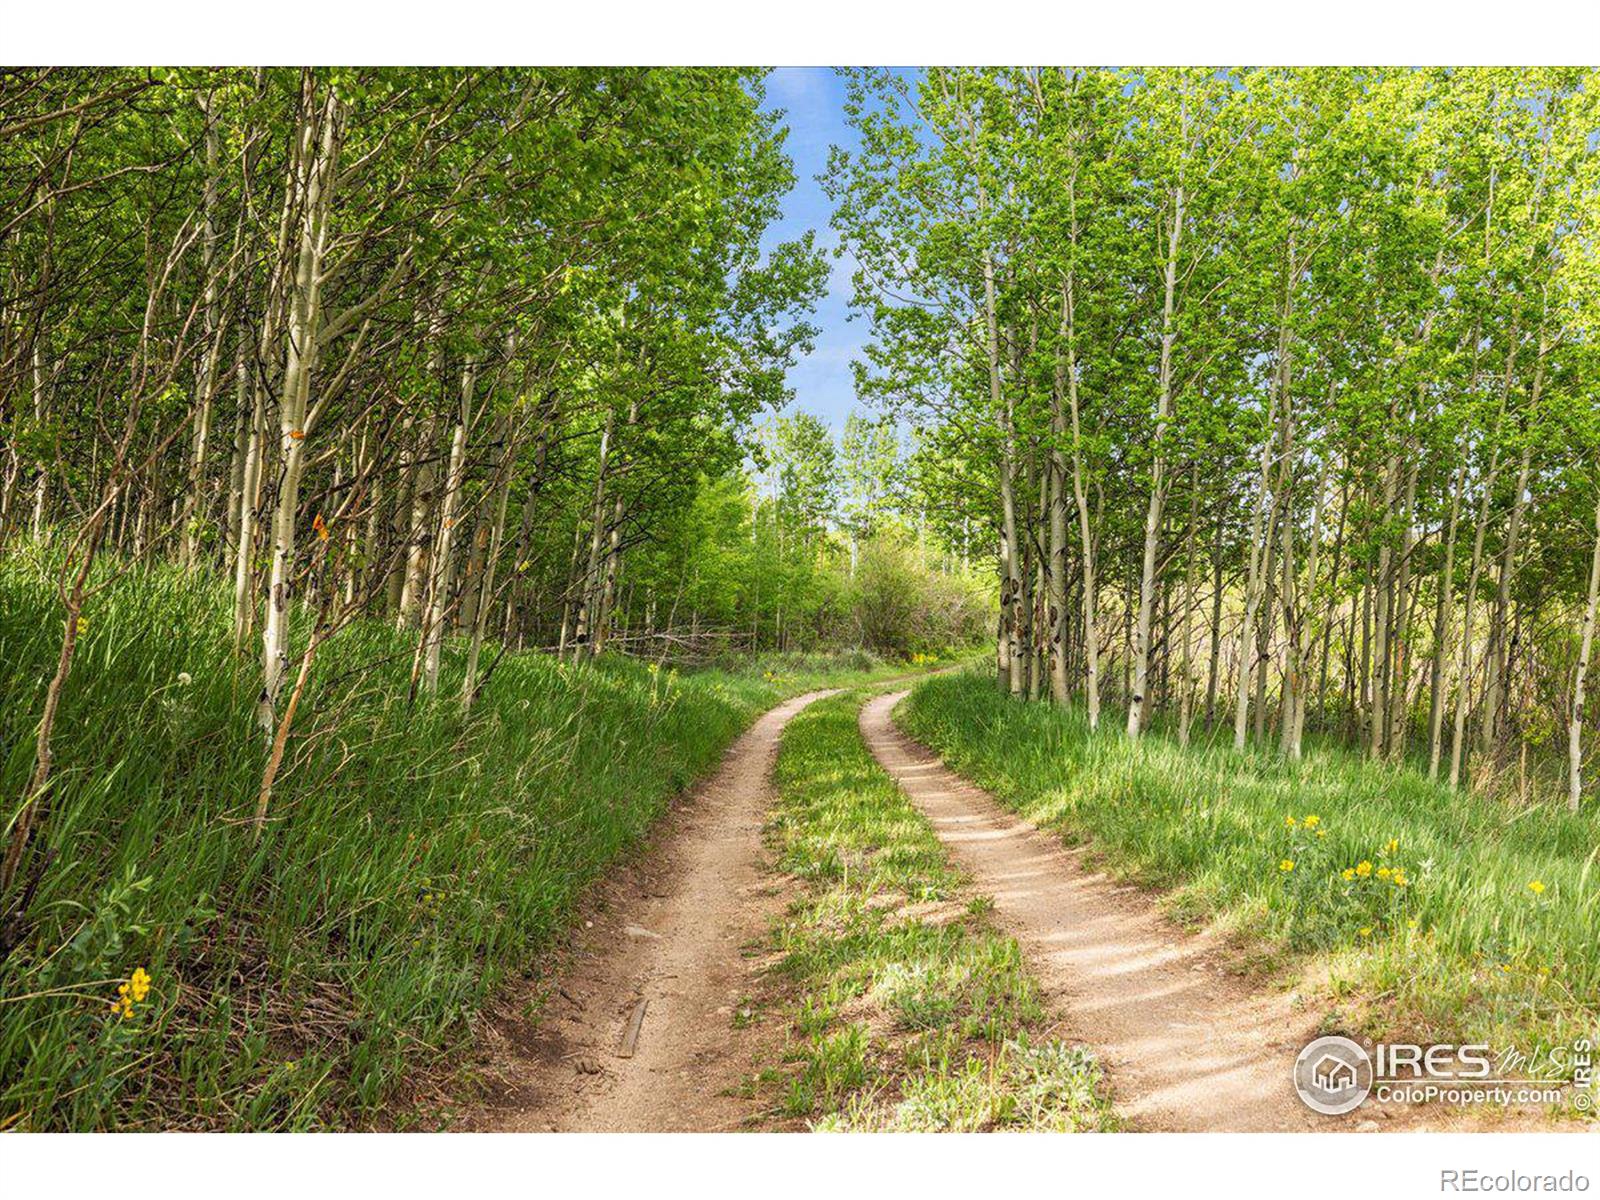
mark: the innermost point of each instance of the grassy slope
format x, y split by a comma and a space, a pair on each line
414, 859
1465, 950
908, 1009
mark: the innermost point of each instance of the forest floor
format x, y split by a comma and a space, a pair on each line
1187, 1042
671, 933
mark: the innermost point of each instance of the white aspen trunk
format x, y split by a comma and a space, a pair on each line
1152, 521
1585, 648
472, 579
588, 593
1474, 574
1012, 603
613, 565
469, 685
1496, 663
1043, 641
41, 485
439, 587
1214, 633
608, 588
211, 353
567, 602
1185, 622
1056, 573
1297, 627
1494, 685
1441, 624
241, 442
1278, 512
1313, 567
1011, 614
1400, 698
314, 166
1252, 589
1383, 594
1091, 616
245, 521
418, 564
1262, 518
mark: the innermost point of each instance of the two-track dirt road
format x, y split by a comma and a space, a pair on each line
1185, 1044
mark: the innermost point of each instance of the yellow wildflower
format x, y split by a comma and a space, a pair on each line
83, 626
1313, 821
1399, 878
1411, 924
1385, 872
1286, 865
1536, 888
1366, 931
130, 993
1348, 873
1394, 844
1322, 833
1363, 868
1289, 823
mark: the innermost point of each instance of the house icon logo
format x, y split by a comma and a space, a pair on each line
1333, 1075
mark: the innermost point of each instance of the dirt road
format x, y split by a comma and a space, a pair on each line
672, 938
1185, 1045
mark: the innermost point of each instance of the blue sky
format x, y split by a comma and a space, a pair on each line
813, 98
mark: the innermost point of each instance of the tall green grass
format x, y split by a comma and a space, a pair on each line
1493, 936
414, 858
908, 1009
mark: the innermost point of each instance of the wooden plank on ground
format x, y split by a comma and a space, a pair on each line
630, 1035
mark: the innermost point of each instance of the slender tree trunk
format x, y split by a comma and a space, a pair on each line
1400, 699
1496, 665
568, 599
1474, 574
1185, 635
1378, 713
608, 587
589, 592
442, 583
1252, 591
1585, 648
314, 167
469, 684
210, 353
242, 429
41, 484
1215, 652
1137, 702
1296, 625
1441, 624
